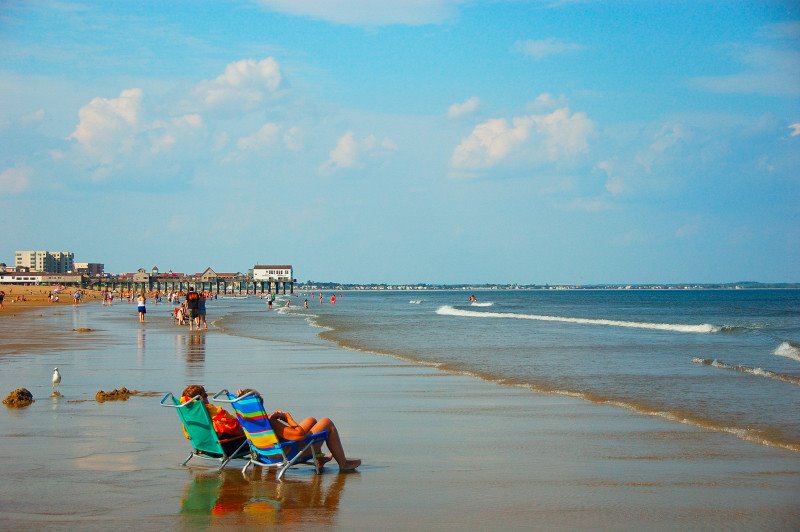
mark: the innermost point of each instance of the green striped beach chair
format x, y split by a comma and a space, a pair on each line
205, 443
266, 449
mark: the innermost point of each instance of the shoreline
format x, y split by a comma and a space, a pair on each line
464, 453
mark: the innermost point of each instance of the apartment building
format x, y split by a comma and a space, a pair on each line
46, 261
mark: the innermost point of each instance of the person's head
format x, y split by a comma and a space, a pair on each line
246, 391
191, 289
194, 390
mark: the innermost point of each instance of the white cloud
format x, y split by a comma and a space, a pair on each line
547, 102
350, 152
460, 109
294, 138
539, 49
368, 13
556, 135
103, 121
590, 204
262, 138
344, 155
246, 81
795, 129
767, 71
15, 180
490, 142
31, 118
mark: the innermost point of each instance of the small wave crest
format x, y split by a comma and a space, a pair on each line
758, 372
447, 310
788, 350
484, 304
415, 301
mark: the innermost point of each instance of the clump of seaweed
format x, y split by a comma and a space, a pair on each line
83, 329
115, 395
19, 398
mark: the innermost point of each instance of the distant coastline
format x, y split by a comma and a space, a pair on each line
319, 285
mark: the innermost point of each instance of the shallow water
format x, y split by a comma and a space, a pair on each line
648, 351
462, 453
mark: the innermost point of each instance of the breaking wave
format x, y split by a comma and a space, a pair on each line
788, 350
758, 372
447, 310
486, 304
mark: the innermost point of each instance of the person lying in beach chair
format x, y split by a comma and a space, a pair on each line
214, 434
277, 440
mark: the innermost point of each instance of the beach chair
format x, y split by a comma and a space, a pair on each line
266, 449
197, 422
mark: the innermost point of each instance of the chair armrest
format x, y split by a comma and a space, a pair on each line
169, 394
217, 397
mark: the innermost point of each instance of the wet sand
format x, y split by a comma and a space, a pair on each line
440, 450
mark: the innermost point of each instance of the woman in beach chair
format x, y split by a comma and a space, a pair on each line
278, 440
230, 433
287, 429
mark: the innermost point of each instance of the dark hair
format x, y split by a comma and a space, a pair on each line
194, 390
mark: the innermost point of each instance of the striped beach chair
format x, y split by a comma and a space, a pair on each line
198, 425
266, 449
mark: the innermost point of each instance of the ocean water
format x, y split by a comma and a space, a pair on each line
724, 360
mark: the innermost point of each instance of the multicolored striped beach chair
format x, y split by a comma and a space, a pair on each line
266, 449
197, 423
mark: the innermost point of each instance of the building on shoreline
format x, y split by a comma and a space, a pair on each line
46, 261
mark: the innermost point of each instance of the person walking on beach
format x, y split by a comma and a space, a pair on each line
333, 299
140, 305
192, 306
2, 297
201, 310
305, 303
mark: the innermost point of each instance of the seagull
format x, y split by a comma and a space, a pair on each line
56, 378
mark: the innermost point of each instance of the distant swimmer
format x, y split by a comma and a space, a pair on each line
472, 298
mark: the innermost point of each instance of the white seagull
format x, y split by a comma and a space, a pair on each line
56, 378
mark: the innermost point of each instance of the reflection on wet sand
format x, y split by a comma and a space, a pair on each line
228, 498
140, 347
192, 347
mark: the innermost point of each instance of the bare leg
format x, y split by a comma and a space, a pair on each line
335, 445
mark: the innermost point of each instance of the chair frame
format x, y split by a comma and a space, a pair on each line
217, 453
275, 456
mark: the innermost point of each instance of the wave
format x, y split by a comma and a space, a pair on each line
447, 310
788, 350
415, 301
680, 416
486, 304
758, 372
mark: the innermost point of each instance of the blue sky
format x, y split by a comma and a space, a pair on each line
416, 141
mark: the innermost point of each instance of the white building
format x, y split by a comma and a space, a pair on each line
273, 273
46, 261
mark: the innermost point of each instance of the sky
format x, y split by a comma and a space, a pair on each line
417, 141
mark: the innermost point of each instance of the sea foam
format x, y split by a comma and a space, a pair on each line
447, 310
788, 350
758, 372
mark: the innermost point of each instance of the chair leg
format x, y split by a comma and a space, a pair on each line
191, 455
282, 470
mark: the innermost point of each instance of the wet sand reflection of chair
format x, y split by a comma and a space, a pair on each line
198, 425
228, 498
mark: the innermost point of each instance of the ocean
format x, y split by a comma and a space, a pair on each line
723, 360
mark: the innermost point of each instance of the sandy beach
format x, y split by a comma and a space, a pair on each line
439, 450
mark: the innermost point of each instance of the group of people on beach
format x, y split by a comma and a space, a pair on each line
283, 424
